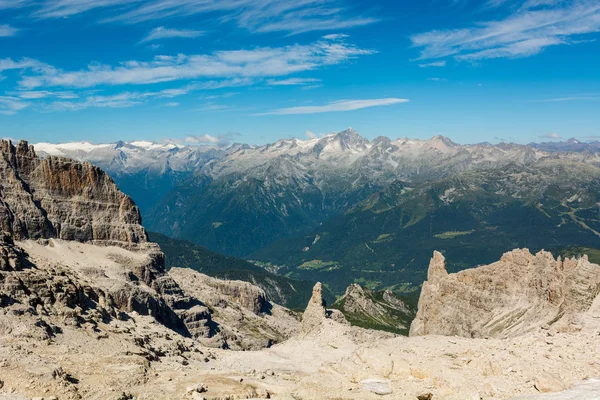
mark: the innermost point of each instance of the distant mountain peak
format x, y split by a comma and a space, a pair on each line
443, 139
351, 138
573, 141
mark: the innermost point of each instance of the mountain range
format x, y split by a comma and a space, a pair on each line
344, 209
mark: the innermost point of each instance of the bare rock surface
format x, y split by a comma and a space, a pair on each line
246, 317
315, 312
517, 294
60, 339
61, 198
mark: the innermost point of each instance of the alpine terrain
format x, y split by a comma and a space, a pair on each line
342, 209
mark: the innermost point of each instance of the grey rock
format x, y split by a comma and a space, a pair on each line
61, 198
519, 293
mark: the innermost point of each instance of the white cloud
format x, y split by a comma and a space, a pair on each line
335, 36
11, 105
571, 98
220, 140
7, 30
212, 107
293, 81
551, 135
7, 64
337, 106
535, 26
68, 8
311, 135
255, 15
8, 4
237, 64
433, 64
437, 79
165, 33
121, 100
172, 104
43, 94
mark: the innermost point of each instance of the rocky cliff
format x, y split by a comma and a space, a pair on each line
61, 198
515, 295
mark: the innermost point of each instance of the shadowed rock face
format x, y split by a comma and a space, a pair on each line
64, 199
510, 297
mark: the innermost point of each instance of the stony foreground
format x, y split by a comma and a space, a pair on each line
143, 360
70, 356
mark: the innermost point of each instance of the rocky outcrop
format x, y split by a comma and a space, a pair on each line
515, 295
11, 257
316, 312
61, 198
246, 318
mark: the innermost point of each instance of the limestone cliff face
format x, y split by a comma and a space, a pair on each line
519, 293
61, 198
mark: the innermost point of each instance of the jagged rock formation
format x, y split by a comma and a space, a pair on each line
60, 198
515, 295
247, 320
316, 312
375, 310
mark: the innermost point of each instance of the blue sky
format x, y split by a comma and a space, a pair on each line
255, 71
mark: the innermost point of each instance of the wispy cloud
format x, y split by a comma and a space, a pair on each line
254, 15
311, 135
69, 101
11, 105
264, 62
7, 30
8, 4
551, 135
293, 81
43, 94
206, 139
433, 64
570, 98
165, 33
337, 106
536, 25
437, 79
7, 64
212, 107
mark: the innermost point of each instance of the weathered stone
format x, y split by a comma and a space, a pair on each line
377, 386
510, 297
315, 312
548, 383
61, 198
